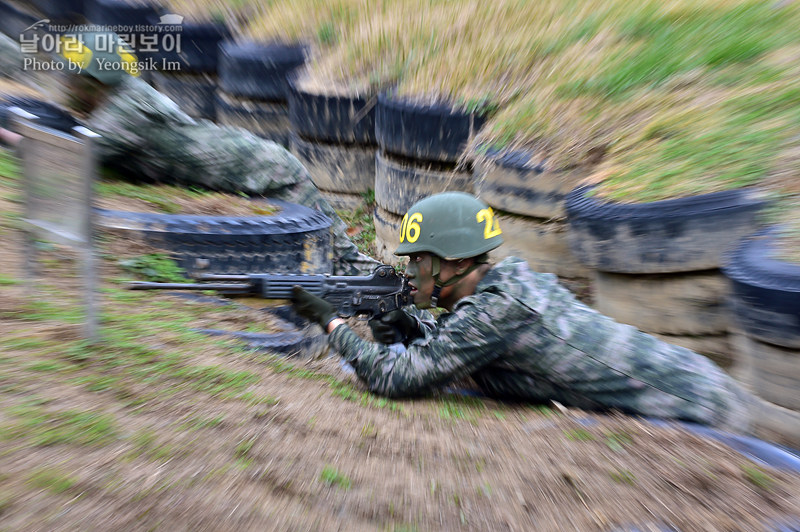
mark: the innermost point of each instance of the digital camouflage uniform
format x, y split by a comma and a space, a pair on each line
145, 134
522, 336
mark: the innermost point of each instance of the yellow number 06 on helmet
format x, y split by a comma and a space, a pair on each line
451, 225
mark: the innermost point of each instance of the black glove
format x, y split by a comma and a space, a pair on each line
392, 327
311, 307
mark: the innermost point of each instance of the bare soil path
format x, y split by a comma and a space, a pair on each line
161, 428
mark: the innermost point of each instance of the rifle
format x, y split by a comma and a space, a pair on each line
358, 295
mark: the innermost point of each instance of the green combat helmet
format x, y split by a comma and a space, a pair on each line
102, 55
451, 225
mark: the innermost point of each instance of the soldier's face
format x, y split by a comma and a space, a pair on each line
420, 277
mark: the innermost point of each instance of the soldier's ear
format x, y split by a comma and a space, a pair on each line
462, 265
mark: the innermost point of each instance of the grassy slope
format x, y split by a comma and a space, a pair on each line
682, 97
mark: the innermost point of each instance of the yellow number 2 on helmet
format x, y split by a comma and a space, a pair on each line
492, 228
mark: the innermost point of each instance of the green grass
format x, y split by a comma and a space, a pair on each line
44, 427
617, 440
361, 224
49, 366
156, 267
159, 197
52, 480
757, 477
579, 435
43, 310
201, 422
5, 280
242, 450
9, 168
684, 97
24, 344
455, 407
661, 45
623, 476
332, 477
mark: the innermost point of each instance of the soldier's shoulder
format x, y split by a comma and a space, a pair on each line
511, 266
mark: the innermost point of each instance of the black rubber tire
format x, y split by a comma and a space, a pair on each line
677, 235
516, 182
341, 201
297, 239
717, 347
542, 244
122, 12
778, 424
691, 303
742, 363
258, 70
288, 344
764, 452
434, 132
387, 235
783, 525
194, 93
399, 184
776, 373
343, 168
49, 115
14, 21
331, 117
199, 45
268, 120
62, 10
139, 17
765, 297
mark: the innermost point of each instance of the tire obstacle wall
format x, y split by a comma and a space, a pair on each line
333, 135
254, 90
529, 197
663, 277
656, 265
420, 148
765, 311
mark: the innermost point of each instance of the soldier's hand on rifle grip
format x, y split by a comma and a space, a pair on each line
392, 327
311, 307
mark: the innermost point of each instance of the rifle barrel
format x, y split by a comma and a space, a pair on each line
221, 287
221, 277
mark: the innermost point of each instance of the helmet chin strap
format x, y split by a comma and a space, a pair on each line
436, 270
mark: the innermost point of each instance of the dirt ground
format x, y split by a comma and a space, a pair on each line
158, 428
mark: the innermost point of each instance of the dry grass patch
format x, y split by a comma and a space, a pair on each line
234, 13
314, 22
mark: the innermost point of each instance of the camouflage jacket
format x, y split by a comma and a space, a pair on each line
137, 121
523, 336
146, 136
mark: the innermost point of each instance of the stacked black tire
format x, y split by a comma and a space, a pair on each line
529, 200
62, 11
294, 239
13, 21
421, 146
765, 304
657, 264
333, 135
188, 71
254, 91
135, 20
128, 13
